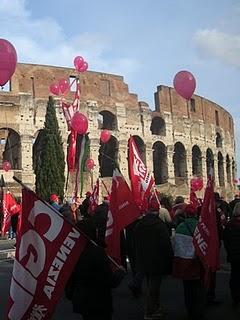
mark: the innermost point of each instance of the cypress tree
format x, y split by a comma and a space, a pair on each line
50, 164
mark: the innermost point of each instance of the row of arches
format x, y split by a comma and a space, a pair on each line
10, 150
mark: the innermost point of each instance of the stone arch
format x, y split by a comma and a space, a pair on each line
141, 148
107, 120
228, 169
209, 161
218, 140
180, 163
220, 169
160, 168
196, 161
38, 145
108, 157
10, 148
158, 126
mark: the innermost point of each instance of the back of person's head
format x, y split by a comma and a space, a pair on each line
88, 227
106, 199
217, 196
88, 194
165, 201
190, 210
236, 210
179, 199
54, 198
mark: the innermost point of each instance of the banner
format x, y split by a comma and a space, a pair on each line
205, 238
122, 212
93, 199
141, 180
71, 152
46, 254
10, 207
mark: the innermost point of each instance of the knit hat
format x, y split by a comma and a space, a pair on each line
53, 198
153, 204
236, 210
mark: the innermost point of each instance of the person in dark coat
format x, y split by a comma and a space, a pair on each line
100, 219
92, 280
233, 202
85, 205
231, 238
154, 256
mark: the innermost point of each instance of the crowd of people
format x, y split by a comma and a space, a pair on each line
157, 244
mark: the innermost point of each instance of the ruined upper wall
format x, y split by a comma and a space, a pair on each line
167, 100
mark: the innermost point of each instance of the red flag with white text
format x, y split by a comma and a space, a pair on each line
122, 212
46, 253
205, 239
141, 180
93, 199
10, 207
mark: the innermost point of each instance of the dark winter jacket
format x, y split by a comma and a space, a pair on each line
92, 282
84, 207
153, 246
100, 219
231, 238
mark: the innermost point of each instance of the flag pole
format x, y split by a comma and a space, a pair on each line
52, 208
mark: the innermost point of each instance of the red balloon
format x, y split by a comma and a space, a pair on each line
78, 62
54, 89
105, 135
90, 164
63, 85
84, 67
8, 61
79, 123
185, 84
7, 166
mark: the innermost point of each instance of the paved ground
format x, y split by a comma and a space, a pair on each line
128, 308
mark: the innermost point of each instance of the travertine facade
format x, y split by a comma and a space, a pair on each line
177, 140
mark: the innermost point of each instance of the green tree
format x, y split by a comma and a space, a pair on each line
50, 164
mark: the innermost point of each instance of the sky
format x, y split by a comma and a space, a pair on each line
147, 42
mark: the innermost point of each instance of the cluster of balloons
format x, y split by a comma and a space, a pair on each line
185, 84
6, 166
196, 184
80, 64
8, 61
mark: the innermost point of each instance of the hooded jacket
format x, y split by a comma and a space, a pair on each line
153, 246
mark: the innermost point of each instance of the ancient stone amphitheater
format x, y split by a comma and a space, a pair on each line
177, 140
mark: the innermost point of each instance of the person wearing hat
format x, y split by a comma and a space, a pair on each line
231, 239
100, 219
153, 256
187, 266
85, 205
54, 201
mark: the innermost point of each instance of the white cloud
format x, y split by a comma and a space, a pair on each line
224, 46
43, 41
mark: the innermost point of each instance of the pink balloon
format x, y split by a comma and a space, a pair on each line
63, 85
7, 166
185, 84
78, 62
90, 164
196, 184
54, 89
79, 123
105, 135
8, 61
84, 67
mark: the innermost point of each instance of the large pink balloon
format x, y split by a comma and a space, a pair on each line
54, 89
105, 135
184, 83
78, 62
8, 61
63, 85
6, 166
84, 67
196, 184
79, 123
90, 164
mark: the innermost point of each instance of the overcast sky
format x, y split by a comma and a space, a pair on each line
145, 41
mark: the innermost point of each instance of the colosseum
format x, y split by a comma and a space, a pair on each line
177, 140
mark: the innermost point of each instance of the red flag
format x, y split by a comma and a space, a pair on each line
71, 152
93, 199
122, 212
141, 180
10, 207
194, 199
205, 239
70, 109
46, 253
